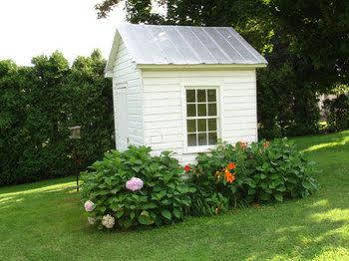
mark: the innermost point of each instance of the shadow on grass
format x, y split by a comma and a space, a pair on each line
297, 229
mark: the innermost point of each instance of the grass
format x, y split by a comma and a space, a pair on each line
45, 221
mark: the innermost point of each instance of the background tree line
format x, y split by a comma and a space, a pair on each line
39, 103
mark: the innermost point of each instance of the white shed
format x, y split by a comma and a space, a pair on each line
181, 88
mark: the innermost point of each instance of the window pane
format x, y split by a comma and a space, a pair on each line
212, 124
212, 138
212, 109
190, 95
202, 125
203, 139
201, 132
201, 95
191, 110
191, 125
201, 109
191, 139
211, 95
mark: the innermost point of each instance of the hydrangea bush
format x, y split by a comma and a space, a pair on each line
133, 188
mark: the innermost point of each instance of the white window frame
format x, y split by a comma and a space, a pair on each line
200, 148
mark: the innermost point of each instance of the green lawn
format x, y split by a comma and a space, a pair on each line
45, 221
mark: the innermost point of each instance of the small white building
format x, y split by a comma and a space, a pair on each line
181, 88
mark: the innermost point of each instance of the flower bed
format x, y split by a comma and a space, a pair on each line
259, 173
132, 188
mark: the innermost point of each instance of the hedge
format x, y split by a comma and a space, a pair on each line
38, 104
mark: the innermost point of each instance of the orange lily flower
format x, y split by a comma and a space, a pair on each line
231, 166
229, 177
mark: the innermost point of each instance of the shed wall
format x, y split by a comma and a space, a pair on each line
125, 72
164, 103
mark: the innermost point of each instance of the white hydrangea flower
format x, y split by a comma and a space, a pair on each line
108, 221
91, 220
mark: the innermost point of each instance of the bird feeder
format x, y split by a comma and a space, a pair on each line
75, 132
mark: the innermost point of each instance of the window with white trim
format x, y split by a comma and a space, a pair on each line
202, 116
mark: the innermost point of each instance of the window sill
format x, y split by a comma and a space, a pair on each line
198, 149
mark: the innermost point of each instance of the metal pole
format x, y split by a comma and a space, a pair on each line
77, 182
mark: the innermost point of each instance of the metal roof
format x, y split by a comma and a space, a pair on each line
186, 45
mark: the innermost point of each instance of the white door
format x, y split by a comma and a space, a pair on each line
122, 118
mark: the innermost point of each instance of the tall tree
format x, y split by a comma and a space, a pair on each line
306, 43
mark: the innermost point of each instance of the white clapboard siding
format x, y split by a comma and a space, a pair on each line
125, 72
241, 92
161, 103
164, 126
156, 132
156, 110
162, 88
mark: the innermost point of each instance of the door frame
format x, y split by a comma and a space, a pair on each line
122, 142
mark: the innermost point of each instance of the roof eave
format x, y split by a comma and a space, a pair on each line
108, 70
200, 66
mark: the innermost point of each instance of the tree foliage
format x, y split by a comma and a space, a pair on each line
305, 42
38, 104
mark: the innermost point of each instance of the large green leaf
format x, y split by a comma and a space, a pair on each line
119, 213
265, 196
167, 214
145, 219
159, 195
177, 213
192, 190
278, 197
126, 223
149, 205
251, 191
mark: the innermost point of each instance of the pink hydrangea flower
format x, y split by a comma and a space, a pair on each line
89, 206
134, 184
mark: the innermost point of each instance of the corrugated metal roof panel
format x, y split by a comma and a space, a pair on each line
185, 45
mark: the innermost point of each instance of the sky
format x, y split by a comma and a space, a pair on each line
33, 27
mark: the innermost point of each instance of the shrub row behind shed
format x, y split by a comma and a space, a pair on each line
38, 104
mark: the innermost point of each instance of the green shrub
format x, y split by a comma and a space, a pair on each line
163, 198
278, 171
208, 203
261, 172
337, 113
